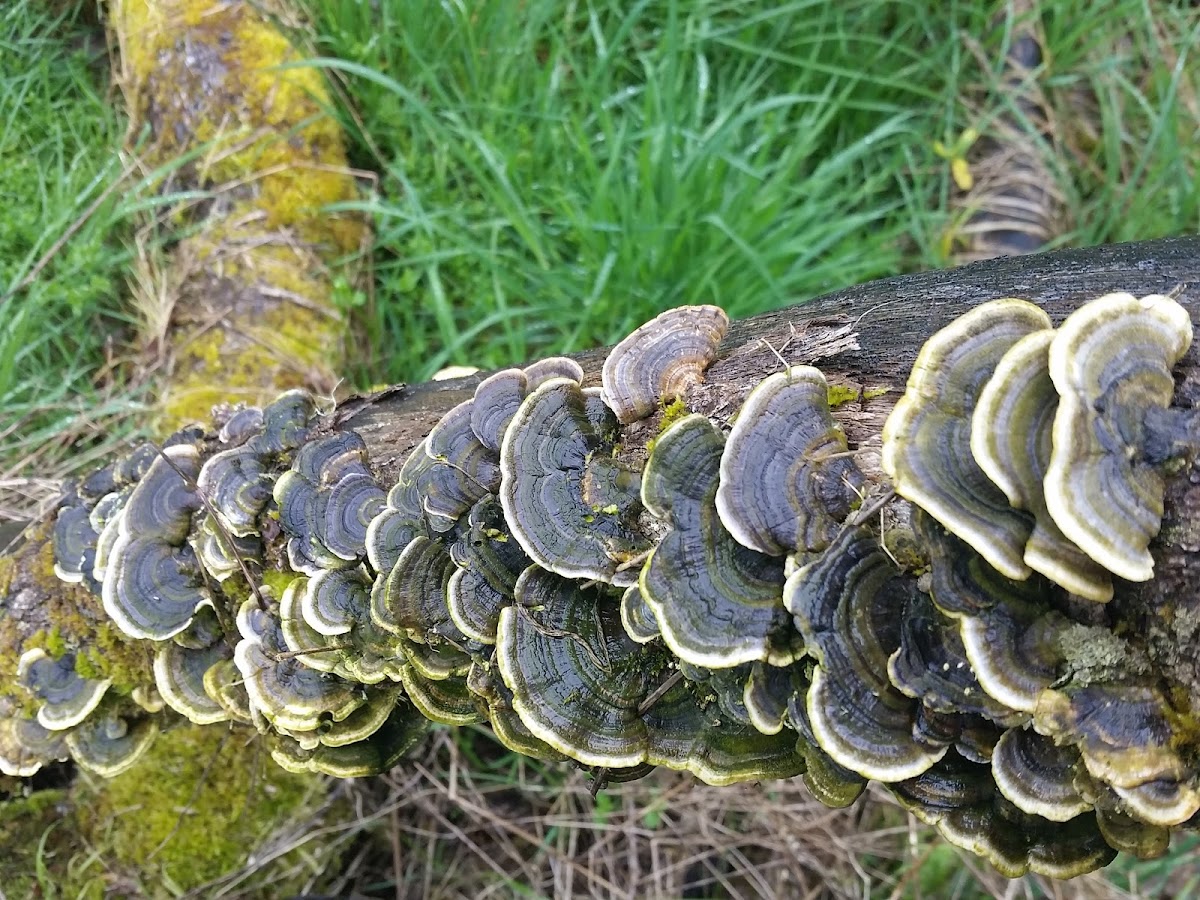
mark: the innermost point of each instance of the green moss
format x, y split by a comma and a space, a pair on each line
841, 393
40, 853
193, 809
873, 393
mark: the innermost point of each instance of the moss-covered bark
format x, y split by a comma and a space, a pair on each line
249, 296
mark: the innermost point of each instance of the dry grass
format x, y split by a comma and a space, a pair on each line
466, 819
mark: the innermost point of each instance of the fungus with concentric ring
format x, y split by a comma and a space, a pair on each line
1111, 364
661, 359
787, 481
717, 603
927, 437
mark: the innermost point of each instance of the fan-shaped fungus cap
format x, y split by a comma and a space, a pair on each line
179, 676
109, 743
834, 785
151, 589
288, 693
1038, 776
66, 697
402, 519
717, 603
1111, 362
637, 617
223, 683
846, 605
1126, 736
335, 600
544, 460
26, 746
412, 600
240, 426
74, 539
497, 399
464, 470
326, 460
162, 502
315, 650
787, 482
448, 701
583, 687
237, 485
486, 683
662, 359
399, 734
960, 798
927, 437
962, 582
538, 373
349, 508
931, 665
768, 694
1015, 652
1010, 439
285, 422
221, 554
488, 564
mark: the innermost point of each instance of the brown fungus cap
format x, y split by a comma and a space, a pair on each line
848, 605
1010, 439
927, 437
787, 482
544, 462
662, 359
1111, 363
717, 603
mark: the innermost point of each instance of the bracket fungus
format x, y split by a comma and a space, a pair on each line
551, 445
927, 437
787, 479
661, 359
721, 610
1111, 364
718, 604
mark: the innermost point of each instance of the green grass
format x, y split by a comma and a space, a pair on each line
59, 138
555, 172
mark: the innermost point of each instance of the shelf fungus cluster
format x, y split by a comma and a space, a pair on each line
725, 599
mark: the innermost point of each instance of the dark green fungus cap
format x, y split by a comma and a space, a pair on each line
336, 600
464, 470
287, 693
26, 746
74, 541
582, 686
179, 676
661, 360
848, 604
717, 603
399, 734
544, 461
1111, 363
1011, 441
66, 698
241, 425
787, 482
1015, 651
402, 518
489, 562
927, 437
1038, 776
834, 785
1126, 735
637, 617
108, 743
351, 505
412, 600
162, 502
960, 798
448, 701
220, 553
286, 422
769, 691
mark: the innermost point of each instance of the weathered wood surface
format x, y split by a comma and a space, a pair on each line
890, 319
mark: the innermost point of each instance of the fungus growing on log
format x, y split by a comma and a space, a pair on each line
528, 569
